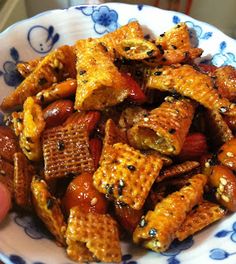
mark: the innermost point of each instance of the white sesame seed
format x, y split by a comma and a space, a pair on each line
217, 196
225, 198
146, 119
221, 188
157, 244
223, 181
230, 154
2, 172
207, 164
230, 164
94, 201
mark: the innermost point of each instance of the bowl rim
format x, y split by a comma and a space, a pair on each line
8, 30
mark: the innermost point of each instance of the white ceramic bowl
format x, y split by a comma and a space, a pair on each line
21, 240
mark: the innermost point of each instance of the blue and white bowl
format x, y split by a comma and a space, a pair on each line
22, 239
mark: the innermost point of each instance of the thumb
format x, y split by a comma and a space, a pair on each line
5, 201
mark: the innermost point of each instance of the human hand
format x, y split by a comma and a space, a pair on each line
5, 201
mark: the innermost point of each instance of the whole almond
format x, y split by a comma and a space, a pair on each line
57, 112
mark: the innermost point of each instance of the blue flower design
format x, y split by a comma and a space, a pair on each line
176, 248
220, 254
175, 19
17, 259
42, 39
223, 57
127, 259
140, 7
224, 233
10, 74
105, 20
32, 227
86, 10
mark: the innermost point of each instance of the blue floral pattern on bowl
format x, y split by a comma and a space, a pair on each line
32, 227
105, 19
42, 39
91, 21
176, 248
10, 74
224, 57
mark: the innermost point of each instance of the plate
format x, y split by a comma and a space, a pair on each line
22, 239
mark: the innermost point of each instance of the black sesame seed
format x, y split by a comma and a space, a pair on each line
19, 120
109, 189
174, 47
178, 26
41, 98
162, 35
104, 46
50, 203
142, 222
60, 145
37, 177
42, 81
172, 131
81, 72
29, 139
152, 232
70, 174
131, 167
147, 36
164, 59
56, 69
157, 73
126, 48
160, 49
138, 73
223, 109
27, 149
150, 53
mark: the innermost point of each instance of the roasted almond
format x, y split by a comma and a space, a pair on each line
8, 143
57, 112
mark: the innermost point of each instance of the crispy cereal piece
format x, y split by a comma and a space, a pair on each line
175, 45
55, 67
66, 151
226, 82
112, 135
227, 154
26, 68
231, 122
157, 229
217, 129
113, 39
187, 81
17, 122
200, 217
57, 91
33, 126
7, 174
126, 175
23, 173
92, 237
99, 82
177, 170
48, 209
167, 161
165, 128
132, 115
137, 49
